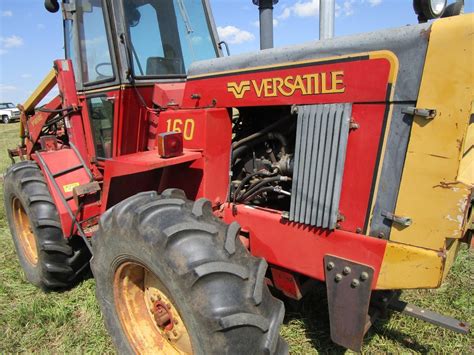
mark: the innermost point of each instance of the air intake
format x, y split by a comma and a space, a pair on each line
320, 152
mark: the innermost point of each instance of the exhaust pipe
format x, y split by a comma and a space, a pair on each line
327, 13
265, 8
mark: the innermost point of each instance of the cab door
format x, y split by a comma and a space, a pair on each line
90, 45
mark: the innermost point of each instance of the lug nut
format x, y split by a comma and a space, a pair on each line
355, 283
330, 265
338, 277
346, 270
364, 276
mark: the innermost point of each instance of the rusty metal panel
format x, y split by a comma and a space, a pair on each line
348, 287
321, 141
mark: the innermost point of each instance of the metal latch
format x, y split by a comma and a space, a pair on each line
401, 220
426, 113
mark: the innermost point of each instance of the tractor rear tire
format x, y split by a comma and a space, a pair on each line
163, 255
49, 261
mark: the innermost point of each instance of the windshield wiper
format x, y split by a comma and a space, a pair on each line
184, 13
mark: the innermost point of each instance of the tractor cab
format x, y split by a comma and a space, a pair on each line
119, 51
117, 42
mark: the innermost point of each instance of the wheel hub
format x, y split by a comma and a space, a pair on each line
148, 315
163, 318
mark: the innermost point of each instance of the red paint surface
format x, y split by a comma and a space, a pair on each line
364, 80
301, 249
362, 148
57, 161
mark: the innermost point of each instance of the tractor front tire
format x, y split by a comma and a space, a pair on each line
171, 278
49, 261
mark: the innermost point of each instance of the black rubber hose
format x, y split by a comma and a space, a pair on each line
247, 179
238, 151
265, 189
69, 108
258, 185
259, 133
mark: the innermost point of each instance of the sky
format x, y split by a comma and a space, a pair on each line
31, 38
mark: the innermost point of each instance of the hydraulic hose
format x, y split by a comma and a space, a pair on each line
262, 183
247, 179
260, 133
238, 150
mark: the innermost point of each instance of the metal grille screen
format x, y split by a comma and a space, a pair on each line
320, 152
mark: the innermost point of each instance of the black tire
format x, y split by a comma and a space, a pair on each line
217, 286
59, 262
5, 119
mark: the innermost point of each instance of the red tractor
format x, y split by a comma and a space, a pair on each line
191, 183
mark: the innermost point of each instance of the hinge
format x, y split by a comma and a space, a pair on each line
401, 220
69, 9
426, 113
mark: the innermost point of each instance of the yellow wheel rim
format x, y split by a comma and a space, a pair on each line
24, 232
149, 319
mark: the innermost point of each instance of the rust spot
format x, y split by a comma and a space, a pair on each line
446, 185
426, 33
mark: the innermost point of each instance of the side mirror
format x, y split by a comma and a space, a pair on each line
51, 5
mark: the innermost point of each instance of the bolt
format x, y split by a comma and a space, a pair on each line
346, 270
175, 333
338, 277
175, 321
355, 283
364, 276
358, 230
168, 306
330, 265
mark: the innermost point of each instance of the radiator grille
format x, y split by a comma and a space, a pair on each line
320, 152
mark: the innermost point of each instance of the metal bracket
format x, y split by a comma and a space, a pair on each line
404, 221
349, 287
68, 10
426, 113
429, 316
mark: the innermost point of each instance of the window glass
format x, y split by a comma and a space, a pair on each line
96, 59
101, 112
70, 38
167, 36
7, 105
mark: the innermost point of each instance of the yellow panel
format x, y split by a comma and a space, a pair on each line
430, 193
41, 91
466, 168
405, 266
451, 256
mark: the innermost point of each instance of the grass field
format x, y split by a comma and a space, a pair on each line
70, 322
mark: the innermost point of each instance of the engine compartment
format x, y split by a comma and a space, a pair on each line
263, 144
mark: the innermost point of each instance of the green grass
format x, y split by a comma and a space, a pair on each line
70, 322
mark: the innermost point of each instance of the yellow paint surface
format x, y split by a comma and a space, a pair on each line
430, 193
41, 91
466, 167
405, 266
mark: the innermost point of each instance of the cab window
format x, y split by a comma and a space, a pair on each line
94, 42
167, 36
101, 112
